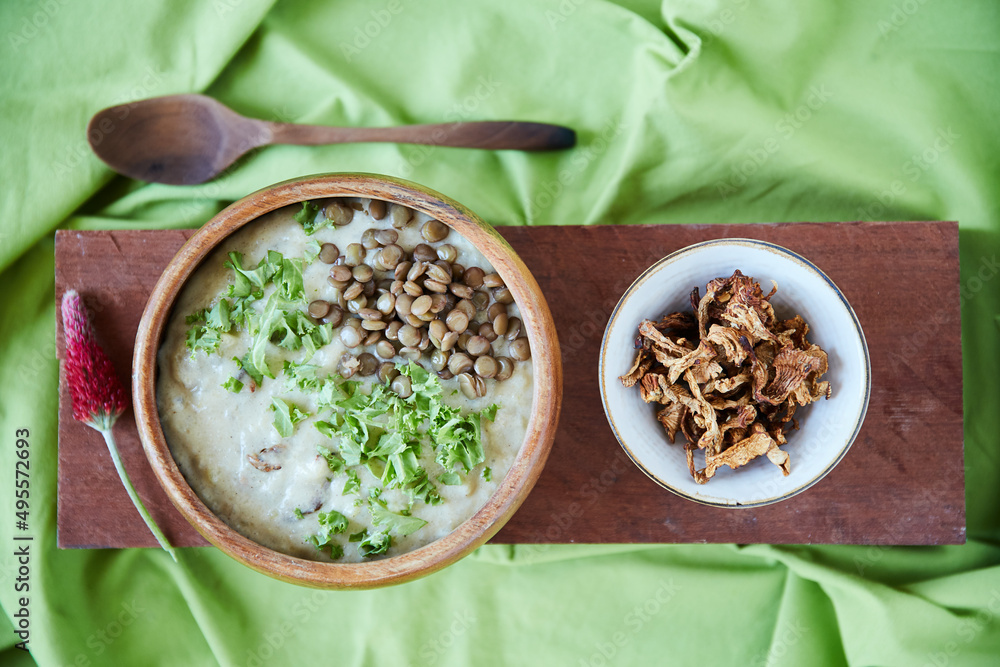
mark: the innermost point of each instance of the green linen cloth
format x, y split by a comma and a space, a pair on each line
687, 112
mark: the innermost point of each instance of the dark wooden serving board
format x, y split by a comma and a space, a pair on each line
901, 483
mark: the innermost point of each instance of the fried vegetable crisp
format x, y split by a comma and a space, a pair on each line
729, 376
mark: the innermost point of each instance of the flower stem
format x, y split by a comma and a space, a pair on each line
153, 528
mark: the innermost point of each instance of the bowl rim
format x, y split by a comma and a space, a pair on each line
469, 535
788, 254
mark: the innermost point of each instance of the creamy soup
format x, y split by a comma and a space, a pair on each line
366, 441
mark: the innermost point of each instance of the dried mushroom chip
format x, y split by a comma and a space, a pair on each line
729, 375
744, 451
671, 417
642, 364
680, 322
264, 466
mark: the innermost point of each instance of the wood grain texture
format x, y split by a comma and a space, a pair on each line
901, 483
188, 139
114, 273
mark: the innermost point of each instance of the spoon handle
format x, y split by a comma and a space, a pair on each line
496, 135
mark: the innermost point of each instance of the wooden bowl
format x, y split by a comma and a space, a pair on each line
475, 531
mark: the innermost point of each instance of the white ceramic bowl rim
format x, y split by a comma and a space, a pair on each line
753, 485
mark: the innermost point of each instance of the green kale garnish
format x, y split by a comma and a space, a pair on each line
200, 337
312, 251
286, 417
251, 282
353, 483
333, 461
397, 524
307, 218
301, 376
374, 544
450, 479
208, 327
282, 320
233, 385
384, 432
330, 523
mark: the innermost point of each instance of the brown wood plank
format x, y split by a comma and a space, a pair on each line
901, 483
114, 272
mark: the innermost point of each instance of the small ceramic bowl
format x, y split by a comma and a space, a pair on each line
826, 428
512, 490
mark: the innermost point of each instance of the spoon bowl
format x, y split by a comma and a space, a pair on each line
190, 139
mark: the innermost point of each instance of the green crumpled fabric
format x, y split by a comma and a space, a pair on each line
687, 112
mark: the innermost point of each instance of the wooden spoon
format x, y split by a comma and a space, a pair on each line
188, 139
